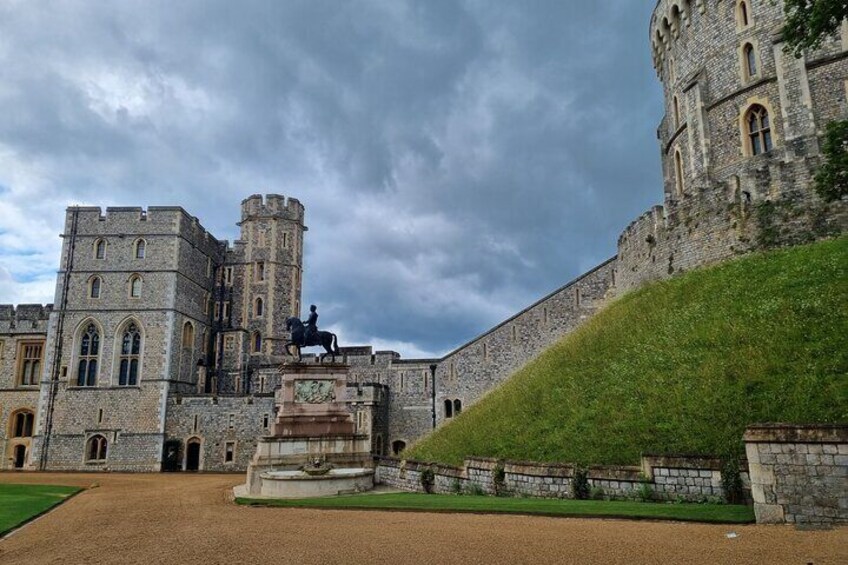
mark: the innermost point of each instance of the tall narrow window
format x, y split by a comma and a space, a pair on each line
759, 130
229, 451
676, 113
742, 16
260, 271
135, 286
258, 307
228, 276
23, 424
457, 407
188, 336
94, 288
96, 448
678, 173
100, 249
448, 408
88, 355
140, 248
30, 364
257, 342
750, 57
130, 356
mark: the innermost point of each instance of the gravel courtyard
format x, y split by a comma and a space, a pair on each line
182, 518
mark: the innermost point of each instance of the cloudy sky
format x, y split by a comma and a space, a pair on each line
457, 159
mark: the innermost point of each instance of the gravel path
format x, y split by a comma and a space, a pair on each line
183, 518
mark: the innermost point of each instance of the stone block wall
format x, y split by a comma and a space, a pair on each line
799, 474
687, 478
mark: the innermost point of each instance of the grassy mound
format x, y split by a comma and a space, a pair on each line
681, 366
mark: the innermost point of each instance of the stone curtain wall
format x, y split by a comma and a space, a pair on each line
799, 474
658, 478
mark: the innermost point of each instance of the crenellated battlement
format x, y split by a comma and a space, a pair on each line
25, 318
271, 206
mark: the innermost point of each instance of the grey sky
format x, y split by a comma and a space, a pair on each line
457, 160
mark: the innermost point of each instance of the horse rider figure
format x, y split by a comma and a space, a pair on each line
311, 333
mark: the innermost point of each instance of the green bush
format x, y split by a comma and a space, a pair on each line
428, 479
580, 483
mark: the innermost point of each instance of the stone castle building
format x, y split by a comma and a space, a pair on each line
163, 347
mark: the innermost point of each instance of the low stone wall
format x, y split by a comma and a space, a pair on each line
689, 478
799, 474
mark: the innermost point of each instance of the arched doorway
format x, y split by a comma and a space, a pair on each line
398, 446
193, 454
19, 456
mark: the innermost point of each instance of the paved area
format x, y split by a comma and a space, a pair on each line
184, 518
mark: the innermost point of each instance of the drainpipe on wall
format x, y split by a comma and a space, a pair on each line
433, 392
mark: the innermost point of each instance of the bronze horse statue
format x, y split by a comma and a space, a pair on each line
327, 340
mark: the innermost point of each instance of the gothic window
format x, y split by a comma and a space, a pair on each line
678, 173
448, 408
457, 407
96, 448
100, 249
140, 246
749, 57
29, 369
743, 17
22, 424
258, 307
759, 130
130, 356
676, 104
135, 286
94, 287
89, 352
188, 335
257, 342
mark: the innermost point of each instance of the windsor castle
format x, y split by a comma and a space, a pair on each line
163, 347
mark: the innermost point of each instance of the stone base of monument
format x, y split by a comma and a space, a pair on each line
313, 449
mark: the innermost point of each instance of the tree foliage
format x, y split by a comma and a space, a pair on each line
832, 176
809, 22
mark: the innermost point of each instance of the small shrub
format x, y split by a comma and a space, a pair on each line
580, 485
832, 177
428, 479
645, 493
597, 493
456, 486
476, 489
499, 479
731, 481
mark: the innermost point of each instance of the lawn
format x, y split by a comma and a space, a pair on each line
415, 502
21, 503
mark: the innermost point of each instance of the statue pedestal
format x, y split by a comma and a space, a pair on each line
313, 449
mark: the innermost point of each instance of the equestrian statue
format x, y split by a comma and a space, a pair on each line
309, 336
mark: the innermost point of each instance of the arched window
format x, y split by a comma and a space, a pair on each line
257, 342
94, 287
95, 449
743, 18
188, 335
448, 408
89, 352
676, 104
139, 248
398, 446
258, 307
678, 173
749, 56
22, 424
130, 356
100, 249
457, 407
135, 286
759, 130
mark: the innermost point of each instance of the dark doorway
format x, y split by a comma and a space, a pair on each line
171, 456
398, 446
20, 456
193, 455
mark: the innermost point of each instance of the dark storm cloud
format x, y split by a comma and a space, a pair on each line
457, 159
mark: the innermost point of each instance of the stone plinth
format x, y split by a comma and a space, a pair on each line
312, 425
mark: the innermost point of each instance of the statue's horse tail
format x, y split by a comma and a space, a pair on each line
336, 345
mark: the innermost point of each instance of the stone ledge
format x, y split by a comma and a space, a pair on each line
794, 433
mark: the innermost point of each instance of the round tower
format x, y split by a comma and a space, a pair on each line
739, 110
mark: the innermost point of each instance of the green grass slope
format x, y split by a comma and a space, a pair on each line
680, 366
